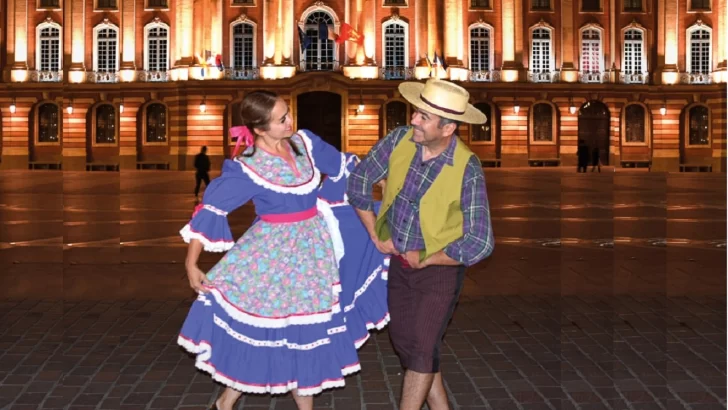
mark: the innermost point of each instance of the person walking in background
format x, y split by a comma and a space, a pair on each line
582, 156
596, 163
202, 165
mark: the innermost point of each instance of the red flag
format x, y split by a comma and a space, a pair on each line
347, 33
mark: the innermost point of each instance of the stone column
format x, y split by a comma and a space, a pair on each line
433, 29
289, 31
128, 35
269, 26
77, 25
668, 46
18, 39
278, 55
510, 66
568, 56
368, 14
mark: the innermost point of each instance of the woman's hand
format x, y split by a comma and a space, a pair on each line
197, 278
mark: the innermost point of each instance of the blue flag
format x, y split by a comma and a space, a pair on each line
304, 40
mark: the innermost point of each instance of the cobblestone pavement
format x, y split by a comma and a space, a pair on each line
604, 292
506, 352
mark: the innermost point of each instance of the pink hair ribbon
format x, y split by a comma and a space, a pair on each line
244, 135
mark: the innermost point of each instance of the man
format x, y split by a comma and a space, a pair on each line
434, 217
202, 165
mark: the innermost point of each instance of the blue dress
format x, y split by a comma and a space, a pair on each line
278, 313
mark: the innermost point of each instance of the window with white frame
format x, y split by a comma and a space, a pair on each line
541, 51
107, 49
49, 47
633, 61
321, 53
481, 49
156, 47
395, 49
699, 61
591, 51
243, 46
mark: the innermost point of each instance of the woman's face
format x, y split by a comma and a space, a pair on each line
281, 124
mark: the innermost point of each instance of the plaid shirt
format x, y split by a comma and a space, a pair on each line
403, 216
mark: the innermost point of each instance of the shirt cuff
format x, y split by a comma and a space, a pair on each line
454, 253
365, 204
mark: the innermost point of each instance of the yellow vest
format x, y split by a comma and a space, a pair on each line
441, 217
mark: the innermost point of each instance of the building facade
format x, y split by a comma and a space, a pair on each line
135, 84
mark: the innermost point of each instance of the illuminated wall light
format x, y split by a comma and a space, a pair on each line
361, 103
69, 109
203, 106
121, 108
572, 109
12, 107
663, 110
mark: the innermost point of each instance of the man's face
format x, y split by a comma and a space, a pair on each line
426, 130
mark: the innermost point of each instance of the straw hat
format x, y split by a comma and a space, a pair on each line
442, 98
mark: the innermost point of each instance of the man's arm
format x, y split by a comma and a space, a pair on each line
477, 242
372, 169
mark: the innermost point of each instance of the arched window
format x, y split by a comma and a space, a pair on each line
105, 124
49, 51
543, 122
634, 66
156, 123
699, 55
48, 118
156, 51
320, 55
481, 52
395, 115
699, 126
635, 120
243, 55
483, 132
394, 36
591, 65
541, 55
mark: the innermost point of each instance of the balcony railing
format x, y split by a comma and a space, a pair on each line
319, 65
154, 76
242, 73
639, 78
695, 78
396, 73
103, 77
543, 77
484, 76
46, 76
594, 77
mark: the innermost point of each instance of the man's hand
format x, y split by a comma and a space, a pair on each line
413, 259
386, 247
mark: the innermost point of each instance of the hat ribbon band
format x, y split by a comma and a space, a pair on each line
447, 110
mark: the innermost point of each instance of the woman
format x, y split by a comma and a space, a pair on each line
268, 318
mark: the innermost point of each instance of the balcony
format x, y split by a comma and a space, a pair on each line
46, 76
319, 65
484, 76
543, 77
638, 78
242, 73
695, 78
101, 77
396, 73
154, 76
596, 77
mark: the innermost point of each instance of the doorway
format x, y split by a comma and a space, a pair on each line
320, 112
594, 128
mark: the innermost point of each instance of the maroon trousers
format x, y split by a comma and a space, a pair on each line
421, 303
